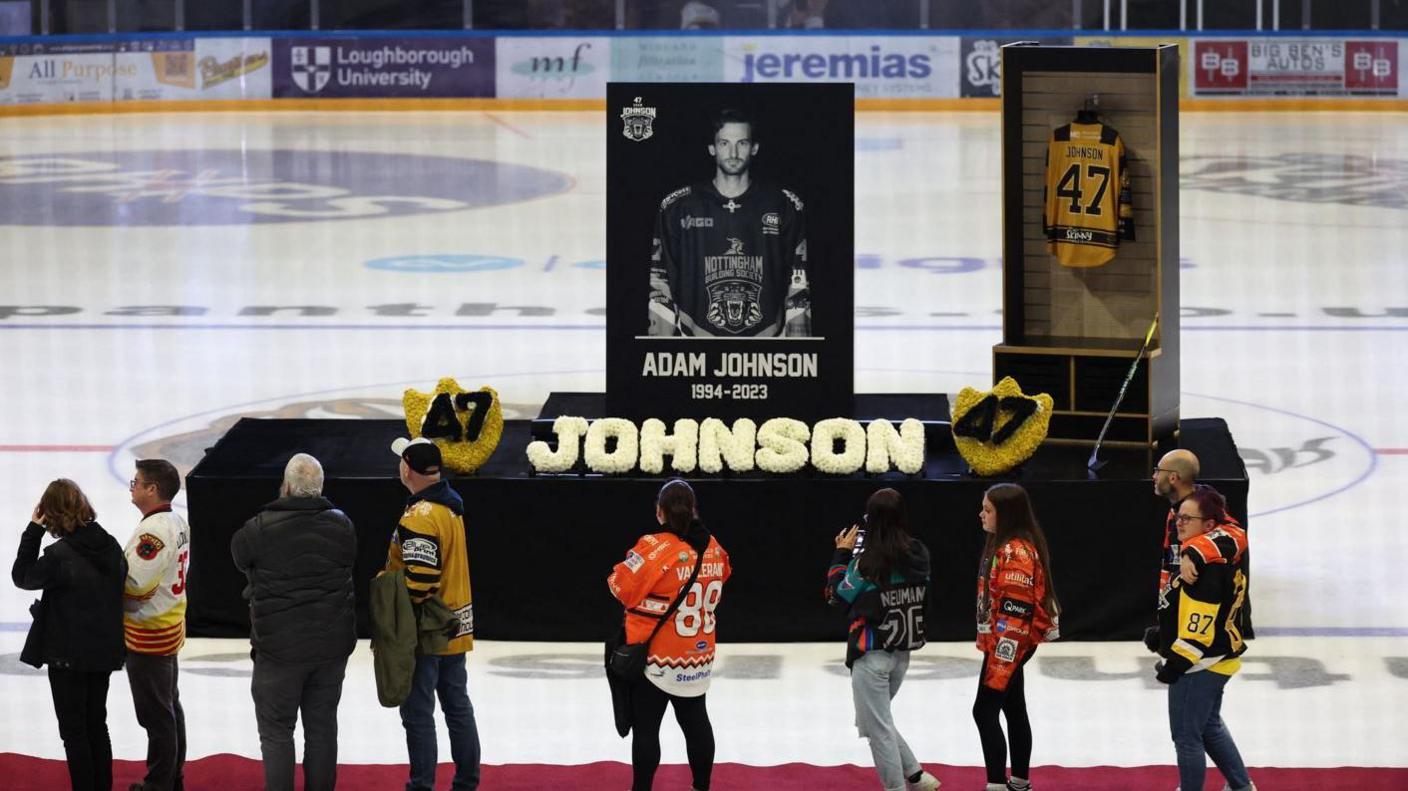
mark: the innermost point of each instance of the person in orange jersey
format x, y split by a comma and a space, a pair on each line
158, 556
680, 660
1017, 609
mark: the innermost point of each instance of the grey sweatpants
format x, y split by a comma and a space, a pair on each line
875, 678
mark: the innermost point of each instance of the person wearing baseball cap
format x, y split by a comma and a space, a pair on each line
420, 454
429, 544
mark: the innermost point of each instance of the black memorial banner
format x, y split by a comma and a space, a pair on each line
730, 250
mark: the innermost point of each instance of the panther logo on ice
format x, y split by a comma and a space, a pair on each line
733, 306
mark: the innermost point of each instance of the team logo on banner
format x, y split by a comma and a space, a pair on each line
734, 306
638, 121
311, 67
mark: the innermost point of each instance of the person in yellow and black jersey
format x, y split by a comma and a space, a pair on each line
429, 544
1201, 623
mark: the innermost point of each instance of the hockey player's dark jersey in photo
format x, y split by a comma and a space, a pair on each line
1088, 208
730, 267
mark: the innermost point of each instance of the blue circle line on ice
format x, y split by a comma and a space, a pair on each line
1363, 476
444, 263
202, 187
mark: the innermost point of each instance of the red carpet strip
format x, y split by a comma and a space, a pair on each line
232, 773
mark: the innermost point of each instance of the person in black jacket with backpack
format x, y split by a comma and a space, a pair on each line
298, 553
77, 628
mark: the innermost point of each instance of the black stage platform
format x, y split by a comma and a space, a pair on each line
541, 547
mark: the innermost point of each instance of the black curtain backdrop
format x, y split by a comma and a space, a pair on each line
540, 548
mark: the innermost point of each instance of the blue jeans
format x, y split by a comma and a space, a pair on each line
445, 676
1195, 719
875, 680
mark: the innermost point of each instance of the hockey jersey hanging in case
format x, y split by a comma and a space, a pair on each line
1087, 208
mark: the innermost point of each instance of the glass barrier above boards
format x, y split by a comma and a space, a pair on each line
58, 17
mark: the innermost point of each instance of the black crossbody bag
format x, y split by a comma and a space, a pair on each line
627, 660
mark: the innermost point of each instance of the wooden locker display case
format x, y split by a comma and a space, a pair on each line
1073, 332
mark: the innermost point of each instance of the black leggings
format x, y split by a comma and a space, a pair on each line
648, 710
1012, 703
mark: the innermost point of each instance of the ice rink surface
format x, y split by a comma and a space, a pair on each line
163, 274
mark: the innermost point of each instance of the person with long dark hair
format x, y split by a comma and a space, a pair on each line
884, 583
1017, 609
680, 661
77, 628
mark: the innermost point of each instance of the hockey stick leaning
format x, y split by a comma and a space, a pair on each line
1094, 463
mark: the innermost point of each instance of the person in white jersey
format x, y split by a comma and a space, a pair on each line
154, 621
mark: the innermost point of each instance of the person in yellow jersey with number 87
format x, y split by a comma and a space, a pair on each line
1201, 627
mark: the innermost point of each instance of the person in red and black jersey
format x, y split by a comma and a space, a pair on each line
730, 254
1017, 609
1202, 623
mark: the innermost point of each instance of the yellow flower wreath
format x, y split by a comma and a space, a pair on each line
989, 416
461, 455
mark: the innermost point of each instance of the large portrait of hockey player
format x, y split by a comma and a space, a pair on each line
729, 253
730, 249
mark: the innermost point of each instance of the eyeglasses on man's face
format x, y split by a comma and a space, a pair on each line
1184, 519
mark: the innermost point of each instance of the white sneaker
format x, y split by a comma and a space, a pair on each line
995, 787
926, 782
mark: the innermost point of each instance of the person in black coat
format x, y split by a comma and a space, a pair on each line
77, 628
298, 553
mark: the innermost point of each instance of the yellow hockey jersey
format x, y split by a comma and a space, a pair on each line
429, 544
1088, 208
